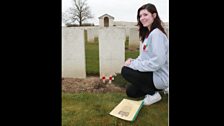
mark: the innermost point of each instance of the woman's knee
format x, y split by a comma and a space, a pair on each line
131, 92
124, 71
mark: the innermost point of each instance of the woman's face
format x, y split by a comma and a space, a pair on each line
146, 18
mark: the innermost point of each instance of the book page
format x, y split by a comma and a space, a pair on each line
127, 109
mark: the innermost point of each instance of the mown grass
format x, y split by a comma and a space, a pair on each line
92, 58
92, 109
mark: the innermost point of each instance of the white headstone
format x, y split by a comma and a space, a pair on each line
73, 53
133, 39
90, 35
111, 50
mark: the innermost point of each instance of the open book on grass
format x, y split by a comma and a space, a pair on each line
127, 109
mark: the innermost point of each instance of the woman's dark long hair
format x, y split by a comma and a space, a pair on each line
144, 31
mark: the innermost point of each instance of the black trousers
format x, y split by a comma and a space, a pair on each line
141, 82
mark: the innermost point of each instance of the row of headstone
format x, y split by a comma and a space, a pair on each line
92, 33
131, 32
111, 51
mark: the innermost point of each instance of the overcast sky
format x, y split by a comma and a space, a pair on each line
121, 10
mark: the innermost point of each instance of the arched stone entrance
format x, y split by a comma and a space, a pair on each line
106, 22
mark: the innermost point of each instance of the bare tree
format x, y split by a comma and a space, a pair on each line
68, 17
79, 12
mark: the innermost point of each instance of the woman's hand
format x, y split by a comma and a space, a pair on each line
128, 62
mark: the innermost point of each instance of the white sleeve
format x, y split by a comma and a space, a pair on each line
156, 57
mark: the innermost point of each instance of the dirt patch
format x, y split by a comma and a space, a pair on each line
90, 84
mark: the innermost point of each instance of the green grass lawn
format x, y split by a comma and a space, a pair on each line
92, 58
92, 109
